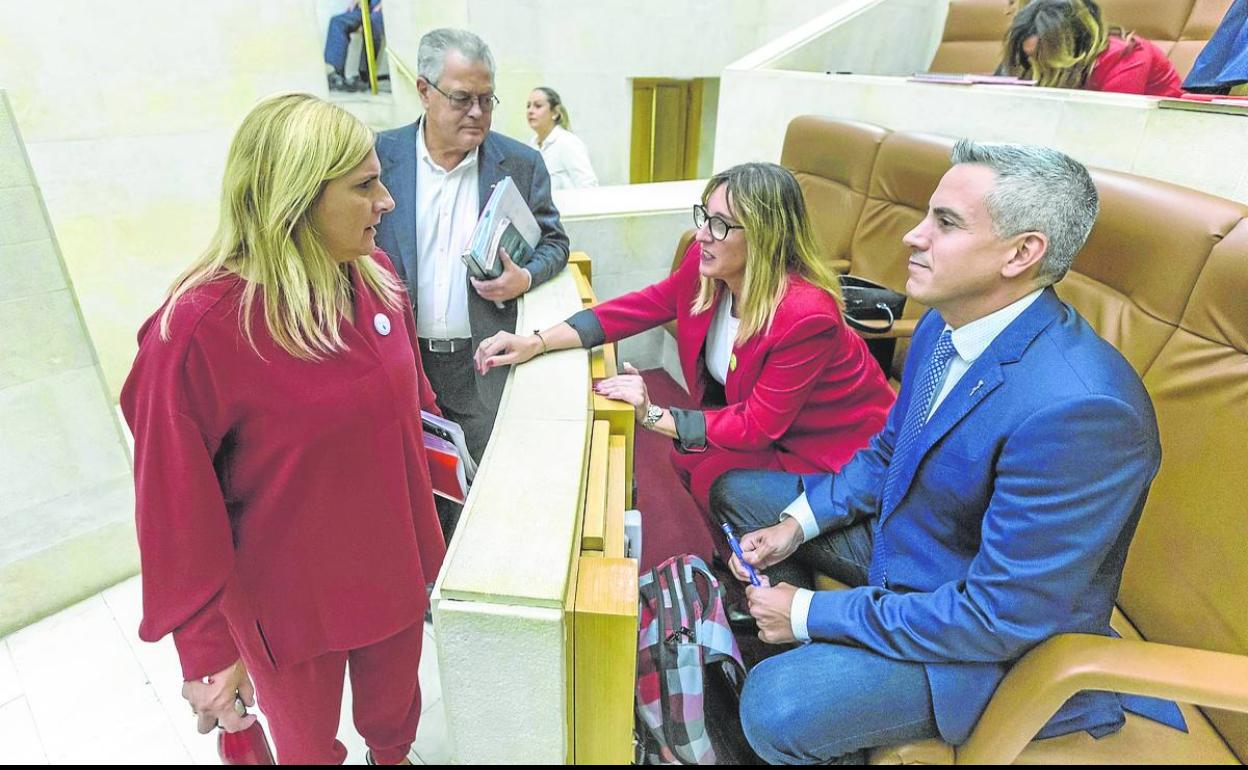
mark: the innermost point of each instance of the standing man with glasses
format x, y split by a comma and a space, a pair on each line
441, 171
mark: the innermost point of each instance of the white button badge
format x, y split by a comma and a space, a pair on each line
381, 324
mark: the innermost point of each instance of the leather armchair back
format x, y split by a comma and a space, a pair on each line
974, 29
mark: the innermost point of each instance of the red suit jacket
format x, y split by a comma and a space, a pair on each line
283, 506
1136, 66
804, 396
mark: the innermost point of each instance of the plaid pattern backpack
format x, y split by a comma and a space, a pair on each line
689, 669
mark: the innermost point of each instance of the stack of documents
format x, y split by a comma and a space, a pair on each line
969, 79
450, 465
507, 223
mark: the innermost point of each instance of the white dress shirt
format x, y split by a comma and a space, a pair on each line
969, 343
567, 159
447, 204
720, 339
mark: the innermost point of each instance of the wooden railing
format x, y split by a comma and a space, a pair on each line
535, 610
603, 596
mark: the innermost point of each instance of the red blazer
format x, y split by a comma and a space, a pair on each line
806, 387
1137, 66
283, 506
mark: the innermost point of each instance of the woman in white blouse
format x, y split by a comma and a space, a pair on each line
566, 158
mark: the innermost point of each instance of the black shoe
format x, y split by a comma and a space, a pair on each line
337, 82
359, 85
740, 618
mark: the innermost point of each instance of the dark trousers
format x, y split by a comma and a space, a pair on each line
750, 500
862, 699
338, 39
454, 382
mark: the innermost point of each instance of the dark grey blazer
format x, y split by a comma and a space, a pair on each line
497, 157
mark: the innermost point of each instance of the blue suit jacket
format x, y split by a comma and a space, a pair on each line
1021, 499
498, 157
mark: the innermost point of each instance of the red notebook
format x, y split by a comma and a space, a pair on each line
247, 747
446, 470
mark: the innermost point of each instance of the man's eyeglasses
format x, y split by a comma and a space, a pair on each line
463, 101
718, 226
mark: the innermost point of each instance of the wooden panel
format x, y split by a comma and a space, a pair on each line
623, 420
671, 115
598, 364
617, 494
642, 133
596, 489
583, 288
667, 128
693, 128
581, 260
569, 662
569, 646
610, 361
603, 362
605, 642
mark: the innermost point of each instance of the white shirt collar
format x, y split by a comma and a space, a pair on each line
423, 156
974, 338
551, 138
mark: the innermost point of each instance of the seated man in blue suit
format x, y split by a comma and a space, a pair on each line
993, 511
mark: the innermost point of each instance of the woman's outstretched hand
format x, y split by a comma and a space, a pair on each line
629, 387
504, 349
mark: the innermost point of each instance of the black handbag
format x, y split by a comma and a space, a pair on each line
871, 307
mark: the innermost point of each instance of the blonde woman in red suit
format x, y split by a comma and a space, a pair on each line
285, 516
783, 382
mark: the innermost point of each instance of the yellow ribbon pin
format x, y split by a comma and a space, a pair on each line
732, 362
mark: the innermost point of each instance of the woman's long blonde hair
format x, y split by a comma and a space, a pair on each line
286, 150
1071, 35
767, 201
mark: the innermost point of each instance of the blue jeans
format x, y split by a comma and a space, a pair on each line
820, 703
828, 703
339, 38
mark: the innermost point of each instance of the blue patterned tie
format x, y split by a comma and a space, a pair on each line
916, 417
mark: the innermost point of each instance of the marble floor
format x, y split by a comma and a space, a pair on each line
80, 688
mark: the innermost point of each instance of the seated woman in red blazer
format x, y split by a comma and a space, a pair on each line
783, 382
1067, 44
285, 515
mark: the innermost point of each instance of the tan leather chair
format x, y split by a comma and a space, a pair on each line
1164, 278
865, 188
974, 29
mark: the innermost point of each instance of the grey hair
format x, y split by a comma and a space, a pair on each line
431, 54
1037, 189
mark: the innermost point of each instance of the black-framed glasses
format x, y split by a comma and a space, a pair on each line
463, 101
719, 227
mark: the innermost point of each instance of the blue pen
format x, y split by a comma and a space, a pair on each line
735, 544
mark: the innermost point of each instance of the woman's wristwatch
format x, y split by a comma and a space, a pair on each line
653, 415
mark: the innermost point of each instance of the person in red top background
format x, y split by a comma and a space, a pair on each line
285, 516
783, 382
1067, 44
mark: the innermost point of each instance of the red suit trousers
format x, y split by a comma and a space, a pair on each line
303, 702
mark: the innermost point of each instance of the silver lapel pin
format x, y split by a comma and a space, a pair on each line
978, 385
